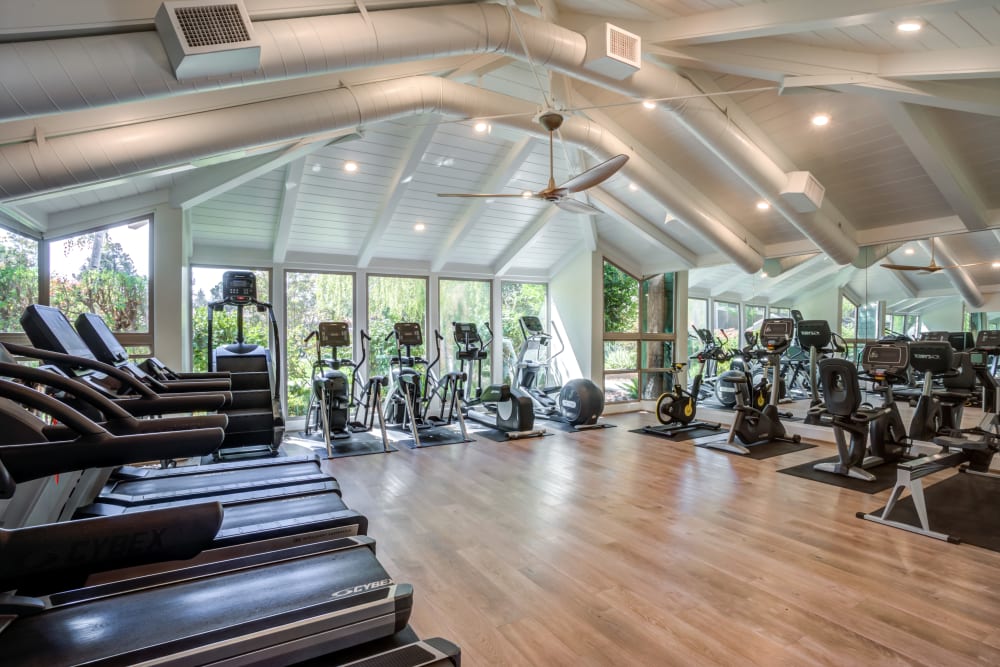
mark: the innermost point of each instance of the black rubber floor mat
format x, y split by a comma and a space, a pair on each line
885, 476
765, 451
692, 434
496, 435
359, 444
432, 437
963, 506
563, 427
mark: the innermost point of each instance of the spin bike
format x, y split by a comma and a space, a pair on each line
579, 402
496, 405
333, 393
409, 401
753, 426
675, 410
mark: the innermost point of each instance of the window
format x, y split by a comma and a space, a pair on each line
516, 301
106, 272
779, 312
727, 323
394, 299
206, 287
638, 334
697, 319
18, 278
311, 298
848, 318
464, 301
753, 317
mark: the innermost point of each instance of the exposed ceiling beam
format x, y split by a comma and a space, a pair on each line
620, 211
117, 209
524, 239
207, 183
971, 63
289, 199
499, 179
979, 97
922, 134
18, 219
728, 285
815, 263
395, 190
479, 66
782, 17
802, 286
918, 230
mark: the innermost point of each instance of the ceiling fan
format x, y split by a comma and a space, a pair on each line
933, 267
559, 196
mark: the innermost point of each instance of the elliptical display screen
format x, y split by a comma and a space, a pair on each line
466, 333
988, 341
532, 324
408, 333
239, 287
334, 334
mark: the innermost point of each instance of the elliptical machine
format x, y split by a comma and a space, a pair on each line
333, 393
676, 409
754, 426
257, 426
579, 402
497, 405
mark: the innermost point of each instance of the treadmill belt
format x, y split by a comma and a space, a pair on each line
228, 607
223, 481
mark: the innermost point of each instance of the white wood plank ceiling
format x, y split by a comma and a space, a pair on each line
912, 150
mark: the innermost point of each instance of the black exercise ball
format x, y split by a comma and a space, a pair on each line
581, 401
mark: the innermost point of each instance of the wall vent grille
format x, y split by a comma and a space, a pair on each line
212, 25
204, 38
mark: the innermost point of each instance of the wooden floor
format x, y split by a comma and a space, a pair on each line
609, 547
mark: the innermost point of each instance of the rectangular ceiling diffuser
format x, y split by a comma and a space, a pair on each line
613, 52
207, 38
803, 192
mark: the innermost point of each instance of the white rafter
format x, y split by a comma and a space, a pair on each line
920, 131
649, 230
207, 183
18, 219
782, 17
498, 179
289, 199
395, 190
524, 239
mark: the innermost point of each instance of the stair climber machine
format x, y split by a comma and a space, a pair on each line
753, 426
336, 399
257, 425
579, 402
497, 405
875, 436
410, 400
970, 450
676, 409
816, 336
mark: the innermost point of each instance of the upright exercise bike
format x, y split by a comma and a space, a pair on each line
753, 426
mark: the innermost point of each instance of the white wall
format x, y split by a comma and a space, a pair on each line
575, 299
171, 305
944, 316
821, 304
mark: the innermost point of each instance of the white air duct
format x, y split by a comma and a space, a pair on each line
59, 75
959, 277
90, 157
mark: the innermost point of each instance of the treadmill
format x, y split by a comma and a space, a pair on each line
262, 519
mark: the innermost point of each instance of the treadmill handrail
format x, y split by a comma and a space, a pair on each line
55, 357
78, 389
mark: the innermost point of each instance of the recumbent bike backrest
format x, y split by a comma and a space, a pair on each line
841, 390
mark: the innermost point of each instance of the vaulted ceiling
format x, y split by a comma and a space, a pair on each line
92, 115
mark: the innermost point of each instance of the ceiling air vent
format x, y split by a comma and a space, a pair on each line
803, 192
207, 39
613, 52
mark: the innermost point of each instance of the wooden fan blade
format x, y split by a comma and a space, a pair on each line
574, 206
593, 176
912, 267
462, 194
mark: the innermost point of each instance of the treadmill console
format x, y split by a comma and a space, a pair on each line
814, 333
48, 329
466, 334
239, 288
334, 334
961, 341
776, 334
988, 341
408, 333
100, 339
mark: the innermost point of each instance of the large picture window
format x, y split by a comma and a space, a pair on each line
311, 298
516, 301
206, 287
463, 301
106, 272
394, 299
18, 278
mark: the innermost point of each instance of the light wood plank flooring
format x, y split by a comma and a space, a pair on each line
614, 548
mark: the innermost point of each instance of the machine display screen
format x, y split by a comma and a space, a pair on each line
334, 334
885, 357
408, 333
239, 287
466, 333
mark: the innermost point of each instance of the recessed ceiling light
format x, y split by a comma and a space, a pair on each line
910, 25
633, 187
995, 265
527, 194
763, 205
481, 126
351, 166
820, 119
316, 168
420, 227
763, 274
908, 251
649, 104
